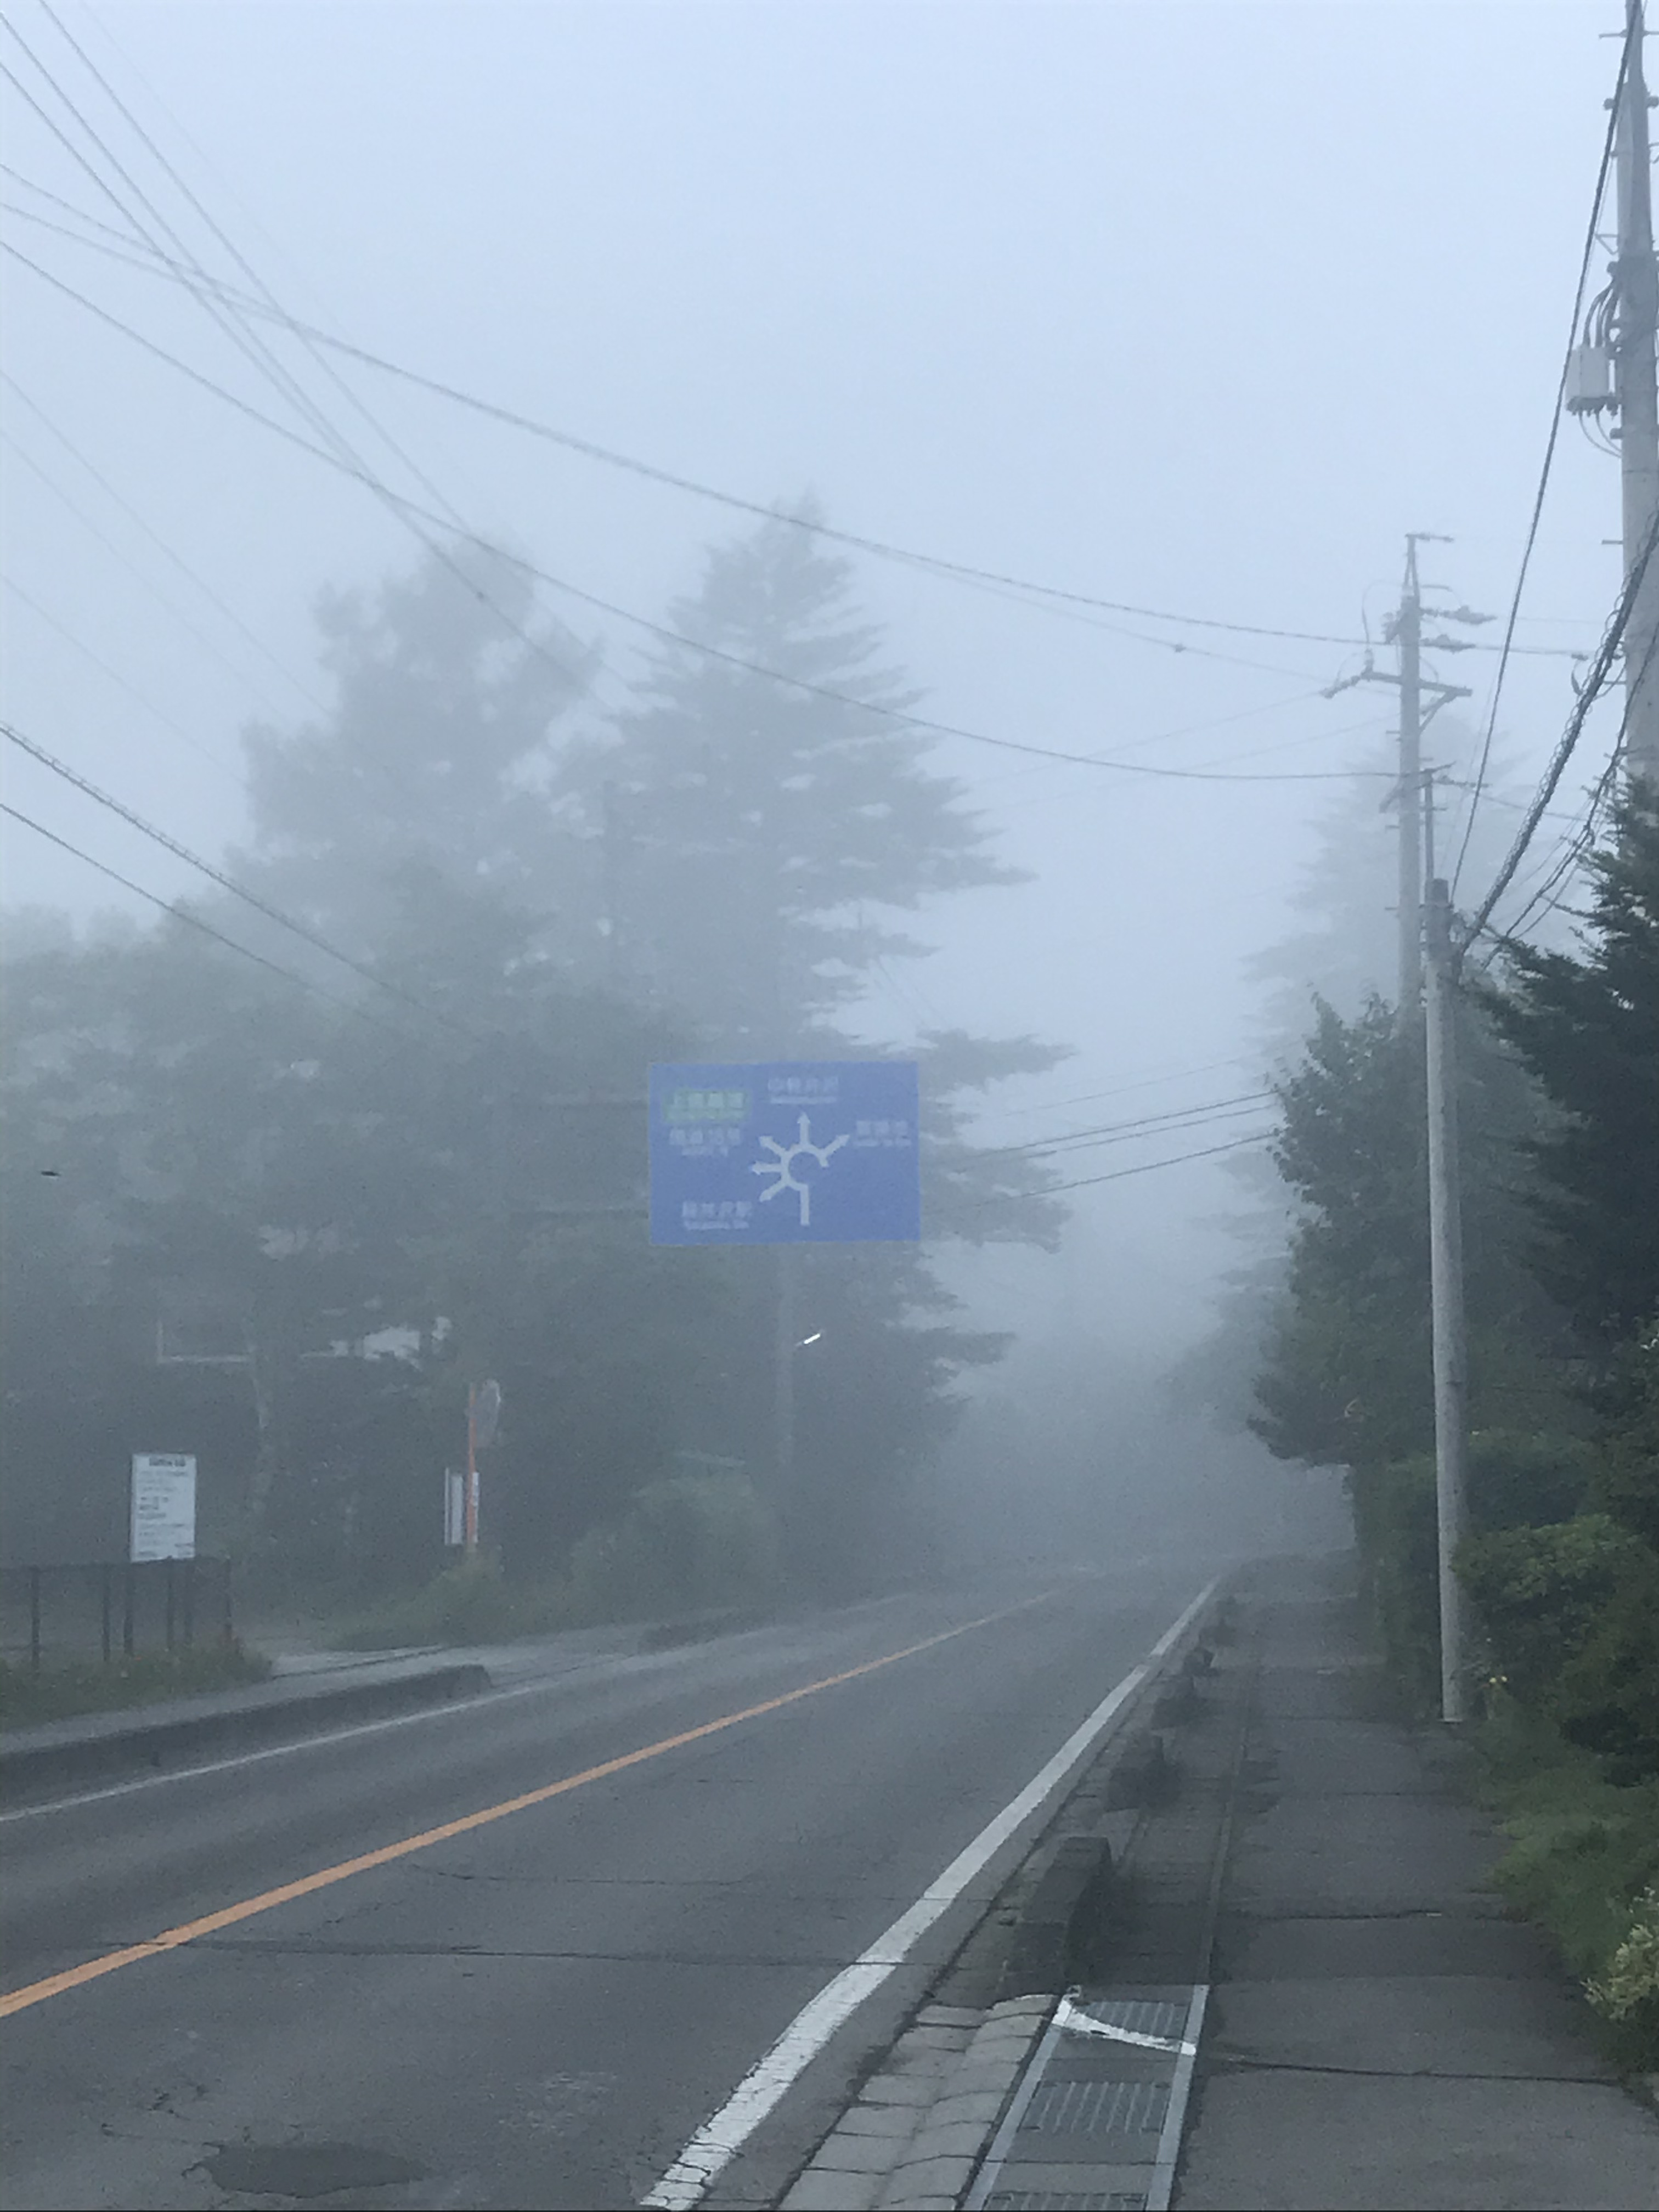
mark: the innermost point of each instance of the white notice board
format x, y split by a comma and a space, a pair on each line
163, 1505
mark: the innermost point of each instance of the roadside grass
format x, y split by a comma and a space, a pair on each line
1583, 1862
696, 1553
59, 1694
473, 1604
470, 1603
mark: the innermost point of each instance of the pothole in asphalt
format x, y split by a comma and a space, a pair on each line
305, 2169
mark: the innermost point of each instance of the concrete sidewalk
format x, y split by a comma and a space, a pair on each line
1375, 2032
1379, 2034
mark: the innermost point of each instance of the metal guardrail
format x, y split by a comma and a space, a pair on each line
111, 1609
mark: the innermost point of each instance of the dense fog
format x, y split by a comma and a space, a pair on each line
543, 542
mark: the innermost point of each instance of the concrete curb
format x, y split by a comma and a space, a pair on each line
911, 2142
59, 1756
919, 2129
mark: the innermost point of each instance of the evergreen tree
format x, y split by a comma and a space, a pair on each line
1587, 1027
1347, 1376
765, 832
448, 695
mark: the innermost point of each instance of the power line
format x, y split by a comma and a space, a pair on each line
1549, 894
1150, 1167
159, 543
1028, 591
115, 676
194, 921
236, 254
1147, 1083
1594, 682
1550, 444
171, 844
217, 299
115, 553
1111, 1132
923, 725
1132, 1134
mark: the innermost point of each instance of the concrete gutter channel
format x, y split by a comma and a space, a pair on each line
934, 2124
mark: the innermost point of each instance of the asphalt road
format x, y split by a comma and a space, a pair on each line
541, 2008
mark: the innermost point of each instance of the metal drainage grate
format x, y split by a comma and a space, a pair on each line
1141, 2016
1097, 2108
1067, 2200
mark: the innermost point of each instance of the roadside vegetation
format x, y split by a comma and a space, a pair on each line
1560, 1110
285, 1213
60, 1692
690, 1550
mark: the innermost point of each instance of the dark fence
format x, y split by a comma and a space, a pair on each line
50, 1616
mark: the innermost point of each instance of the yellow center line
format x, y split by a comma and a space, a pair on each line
189, 1931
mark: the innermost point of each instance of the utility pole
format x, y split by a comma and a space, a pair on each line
1408, 645
784, 1340
1636, 283
1451, 1336
610, 883
1405, 634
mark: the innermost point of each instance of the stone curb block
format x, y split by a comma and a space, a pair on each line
842, 2152
919, 2128
934, 2177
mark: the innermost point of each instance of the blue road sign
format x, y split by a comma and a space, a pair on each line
795, 1152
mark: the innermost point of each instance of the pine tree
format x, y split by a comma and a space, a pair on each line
1587, 1027
448, 695
767, 829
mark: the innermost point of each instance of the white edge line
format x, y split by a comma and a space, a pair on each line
448, 1705
719, 2139
1161, 2186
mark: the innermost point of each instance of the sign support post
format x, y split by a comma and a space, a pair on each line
785, 1330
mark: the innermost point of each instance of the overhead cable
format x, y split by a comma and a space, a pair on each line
181, 913
90, 653
1150, 1167
1106, 1132
1632, 31
155, 540
1594, 682
924, 725
219, 301
1029, 591
171, 844
207, 644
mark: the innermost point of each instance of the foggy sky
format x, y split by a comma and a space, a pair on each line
1196, 307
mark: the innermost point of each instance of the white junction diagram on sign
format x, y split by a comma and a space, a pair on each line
782, 1165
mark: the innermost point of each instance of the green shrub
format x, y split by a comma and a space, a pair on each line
691, 1544
1608, 1698
467, 1603
1583, 1862
1629, 1990
1395, 1522
1626, 1481
1521, 1479
1514, 1478
694, 1543
1540, 1592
